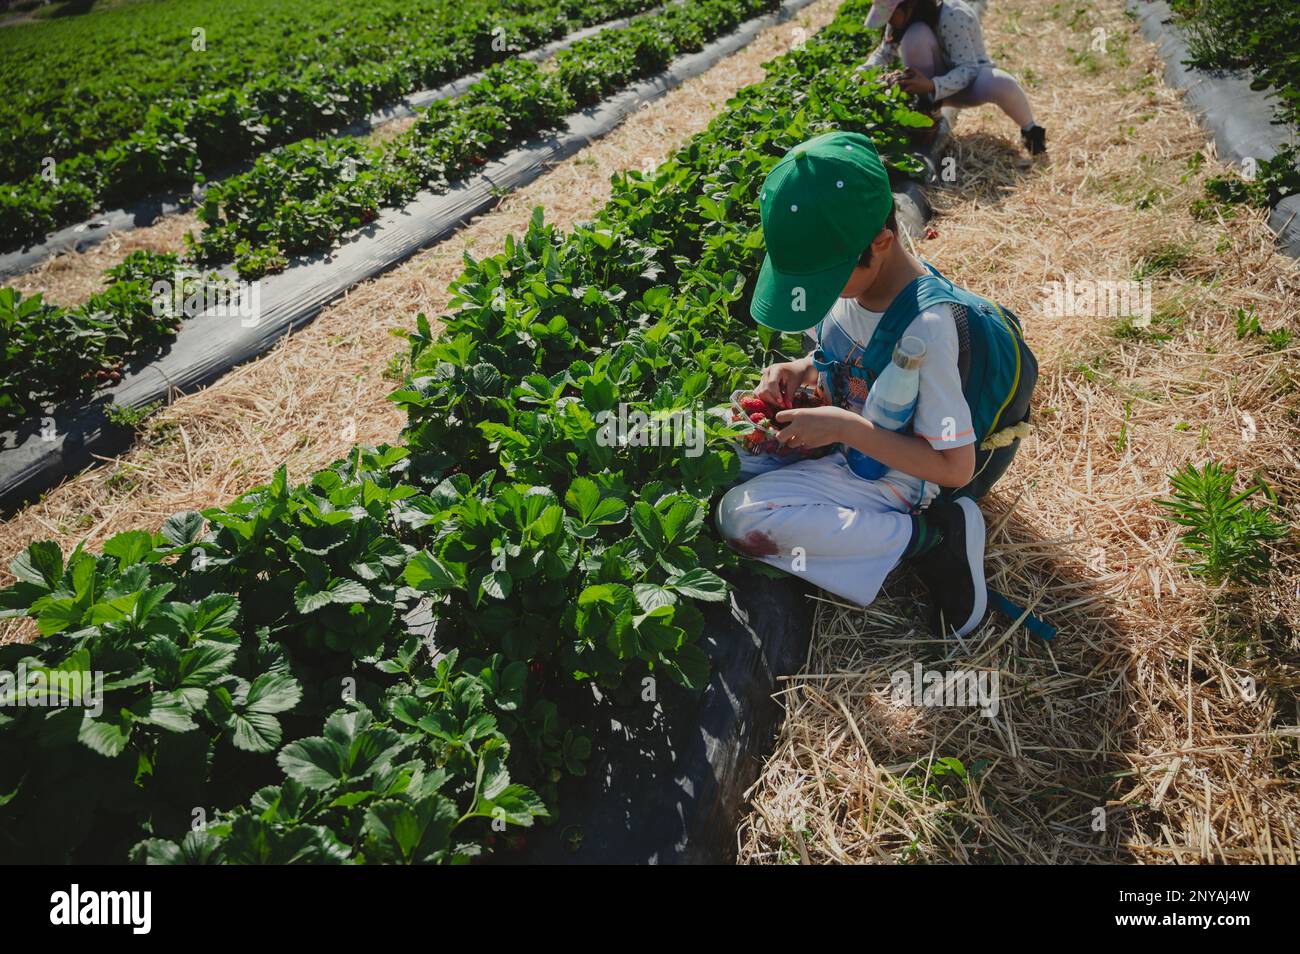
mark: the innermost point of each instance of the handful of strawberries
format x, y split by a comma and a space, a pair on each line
747, 406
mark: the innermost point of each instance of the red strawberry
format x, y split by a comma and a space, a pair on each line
758, 417
753, 403
932, 233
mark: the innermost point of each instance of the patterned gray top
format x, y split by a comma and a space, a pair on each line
960, 40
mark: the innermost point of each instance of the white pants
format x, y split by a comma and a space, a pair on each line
817, 519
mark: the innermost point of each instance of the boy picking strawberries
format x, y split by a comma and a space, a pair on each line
844, 520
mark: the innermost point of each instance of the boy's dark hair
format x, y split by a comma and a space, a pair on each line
891, 223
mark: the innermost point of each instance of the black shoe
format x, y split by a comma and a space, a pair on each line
1035, 139
953, 571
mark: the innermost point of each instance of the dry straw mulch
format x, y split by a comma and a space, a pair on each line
324, 389
1134, 736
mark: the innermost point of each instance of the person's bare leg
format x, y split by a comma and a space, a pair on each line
998, 87
919, 50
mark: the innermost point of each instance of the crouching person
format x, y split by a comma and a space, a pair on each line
902, 479
944, 61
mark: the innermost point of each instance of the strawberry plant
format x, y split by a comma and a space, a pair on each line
1259, 36
166, 114
269, 658
208, 696
304, 197
52, 353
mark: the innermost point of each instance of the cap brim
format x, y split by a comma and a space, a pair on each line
877, 17
792, 303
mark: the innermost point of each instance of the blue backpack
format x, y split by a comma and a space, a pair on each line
998, 371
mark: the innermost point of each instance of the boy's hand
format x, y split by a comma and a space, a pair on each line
811, 427
780, 381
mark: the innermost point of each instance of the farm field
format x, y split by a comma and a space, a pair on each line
246, 577
556, 565
305, 197
184, 87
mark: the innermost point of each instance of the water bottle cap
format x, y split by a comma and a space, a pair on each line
909, 353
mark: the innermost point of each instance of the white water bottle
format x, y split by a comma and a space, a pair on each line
891, 402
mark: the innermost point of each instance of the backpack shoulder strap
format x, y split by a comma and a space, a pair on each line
989, 343
923, 293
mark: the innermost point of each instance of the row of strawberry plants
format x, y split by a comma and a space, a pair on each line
177, 53
1259, 36
158, 134
51, 351
546, 556
303, 197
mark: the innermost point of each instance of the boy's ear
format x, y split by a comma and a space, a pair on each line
880, 244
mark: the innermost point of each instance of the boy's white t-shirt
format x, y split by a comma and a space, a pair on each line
942, 416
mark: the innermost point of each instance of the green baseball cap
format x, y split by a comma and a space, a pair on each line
821, 205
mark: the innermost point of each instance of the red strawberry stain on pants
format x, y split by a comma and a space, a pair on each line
756, 543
